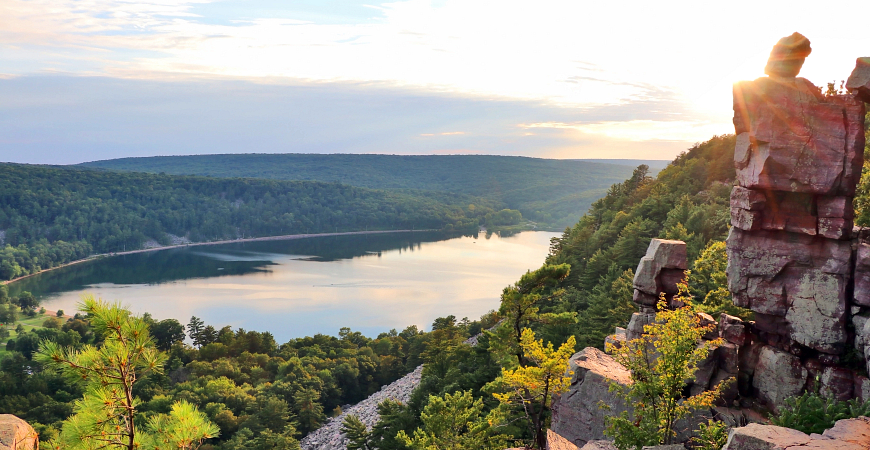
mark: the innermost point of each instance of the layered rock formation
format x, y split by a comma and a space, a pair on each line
791, 250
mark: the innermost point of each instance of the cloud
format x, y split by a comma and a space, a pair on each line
71, 119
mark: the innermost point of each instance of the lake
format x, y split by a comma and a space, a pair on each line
294, 288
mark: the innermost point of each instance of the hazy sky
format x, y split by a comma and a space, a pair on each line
93, 79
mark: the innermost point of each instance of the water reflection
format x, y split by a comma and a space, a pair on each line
301, 287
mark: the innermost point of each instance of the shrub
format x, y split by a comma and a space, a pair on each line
812, 413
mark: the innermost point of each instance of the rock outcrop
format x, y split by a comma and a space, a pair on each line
577, 414
16, 434
847, 434
792, 255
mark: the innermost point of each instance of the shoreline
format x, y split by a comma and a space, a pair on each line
285, 237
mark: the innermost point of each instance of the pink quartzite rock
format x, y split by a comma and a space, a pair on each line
16, 434
576, 413
599, 445
859, 81
862, 275
855, 431
840, 207
764, 437
732, 329
661, 254
798, 277
556, 442
848, 434
838, 383
793, 139
747, 199
788, 55
778, 375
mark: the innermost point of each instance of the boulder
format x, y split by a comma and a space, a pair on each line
847, 434
787, 56
636, 324
728, 357
599, 445
764, 437
859, 82
616, 340
16, 434
577, 415
661, 254
732, 330
556, 442
778, 375
855, 431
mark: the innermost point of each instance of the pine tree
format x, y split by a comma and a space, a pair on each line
105, 416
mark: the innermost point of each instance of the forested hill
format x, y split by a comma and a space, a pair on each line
554, 193
50, 215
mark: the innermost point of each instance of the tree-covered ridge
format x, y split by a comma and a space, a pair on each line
552, 192
49, 215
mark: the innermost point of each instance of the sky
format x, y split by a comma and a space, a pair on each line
84, 80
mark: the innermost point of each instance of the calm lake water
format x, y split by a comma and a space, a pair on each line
294, 288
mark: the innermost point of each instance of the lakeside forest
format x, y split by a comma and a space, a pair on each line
267, 395
50, 215
553, 193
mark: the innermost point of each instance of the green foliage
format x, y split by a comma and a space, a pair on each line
812, 413
356, 433
532, 386
454, 422
712, 435
521, 304
107, 414
708, 282
862, 195
54, 215
552, 192
660, 363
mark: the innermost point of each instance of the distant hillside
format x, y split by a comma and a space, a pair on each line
554, 193
50, 215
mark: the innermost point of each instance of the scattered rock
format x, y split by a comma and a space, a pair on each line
330, 437
732, 330
848, 434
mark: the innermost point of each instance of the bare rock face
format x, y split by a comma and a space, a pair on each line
795, 277
576, 413
778, 375
16, 434
788, 55
859, 81
796, 140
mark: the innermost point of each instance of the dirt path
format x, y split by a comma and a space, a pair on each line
229, 241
